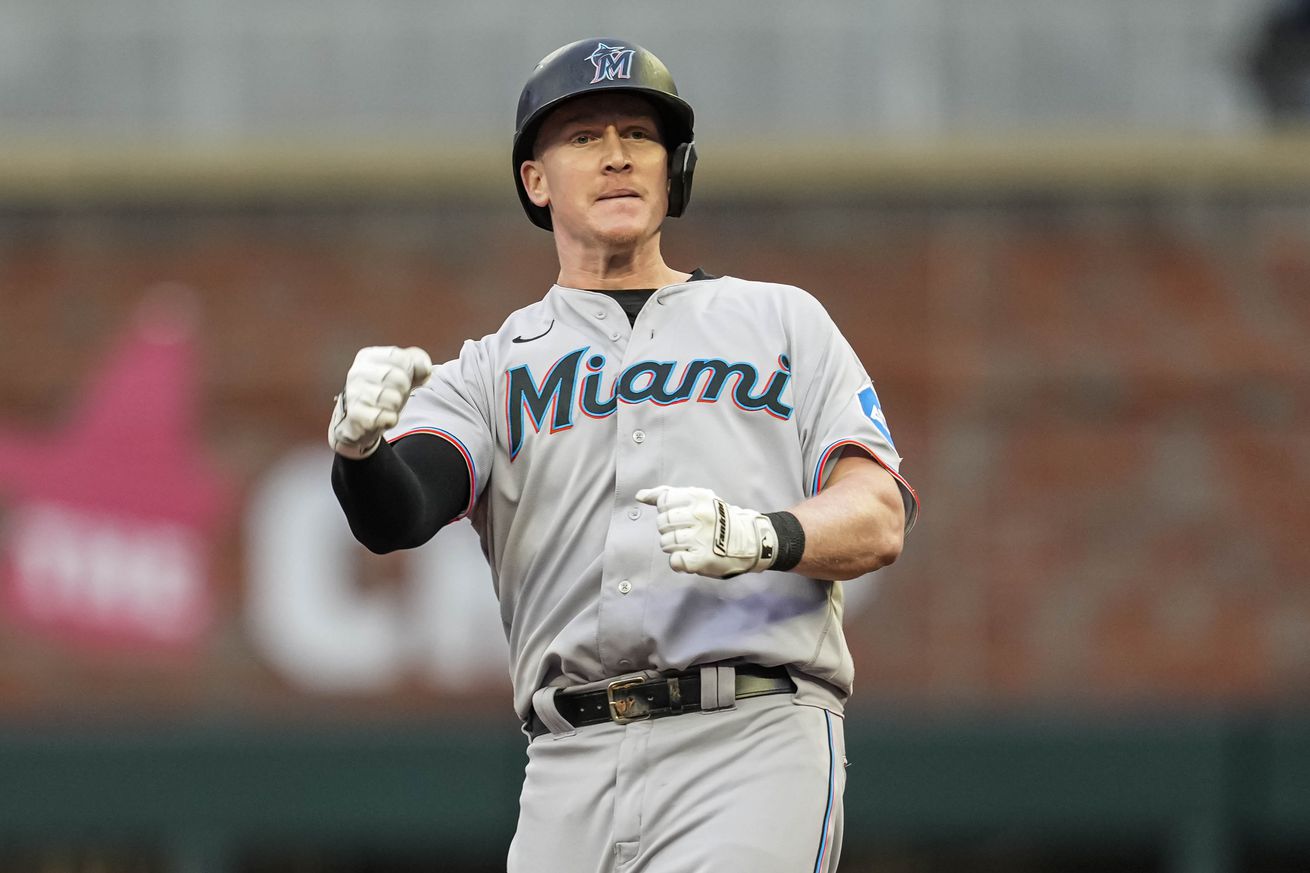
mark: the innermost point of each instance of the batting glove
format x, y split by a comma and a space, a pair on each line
377, 387
704, 535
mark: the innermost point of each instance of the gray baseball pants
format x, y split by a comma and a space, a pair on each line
753, 789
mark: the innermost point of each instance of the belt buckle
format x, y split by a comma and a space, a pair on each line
627, 709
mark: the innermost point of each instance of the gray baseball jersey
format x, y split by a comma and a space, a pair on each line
745, 388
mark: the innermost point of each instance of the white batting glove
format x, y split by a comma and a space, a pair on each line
704, 535
377, 387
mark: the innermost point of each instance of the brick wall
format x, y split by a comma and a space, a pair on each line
1105, 406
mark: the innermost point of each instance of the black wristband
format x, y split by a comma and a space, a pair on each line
791, 539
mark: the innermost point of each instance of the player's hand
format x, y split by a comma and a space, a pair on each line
377, 387
704, 535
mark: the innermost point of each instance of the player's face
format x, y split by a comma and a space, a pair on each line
602, 168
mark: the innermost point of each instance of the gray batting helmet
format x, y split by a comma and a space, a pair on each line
605, 64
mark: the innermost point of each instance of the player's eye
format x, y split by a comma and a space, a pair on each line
581, 138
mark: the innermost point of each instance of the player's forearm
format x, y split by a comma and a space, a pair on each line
400, 496
855, 525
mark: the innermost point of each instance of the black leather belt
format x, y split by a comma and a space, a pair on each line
637, 698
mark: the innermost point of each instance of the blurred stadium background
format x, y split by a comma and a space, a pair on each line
1070, 240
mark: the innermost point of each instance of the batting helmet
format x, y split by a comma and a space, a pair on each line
605, 64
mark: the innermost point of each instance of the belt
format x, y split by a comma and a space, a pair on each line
637, 698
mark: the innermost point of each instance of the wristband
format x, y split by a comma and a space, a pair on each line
791, 540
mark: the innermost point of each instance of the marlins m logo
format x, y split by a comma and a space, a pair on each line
611, 62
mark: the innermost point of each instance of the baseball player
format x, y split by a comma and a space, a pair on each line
669, 472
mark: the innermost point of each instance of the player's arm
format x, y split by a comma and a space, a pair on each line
394, 497
853, 526
401, 495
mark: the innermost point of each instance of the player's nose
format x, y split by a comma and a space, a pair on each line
616, 152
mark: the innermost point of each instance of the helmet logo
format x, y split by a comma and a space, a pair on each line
611, 62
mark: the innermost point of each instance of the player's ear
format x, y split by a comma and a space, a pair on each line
534, 182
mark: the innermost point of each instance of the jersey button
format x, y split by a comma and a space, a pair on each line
615, 336
639, 436
600, 314
625, 586
634, 513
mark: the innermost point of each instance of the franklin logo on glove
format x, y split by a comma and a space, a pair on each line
705, 535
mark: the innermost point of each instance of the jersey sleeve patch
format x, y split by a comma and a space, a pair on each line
873, 411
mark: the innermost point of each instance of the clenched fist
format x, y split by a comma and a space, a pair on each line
377, 387
704, 535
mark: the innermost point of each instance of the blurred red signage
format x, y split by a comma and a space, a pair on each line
109, 521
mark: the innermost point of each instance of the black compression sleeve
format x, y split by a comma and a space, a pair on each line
402, 494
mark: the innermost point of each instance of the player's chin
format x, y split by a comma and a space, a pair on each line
630, 227
618, 233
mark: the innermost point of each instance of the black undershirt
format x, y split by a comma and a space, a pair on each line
632, 301
402, 494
